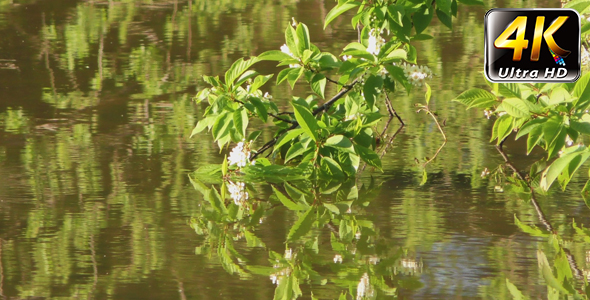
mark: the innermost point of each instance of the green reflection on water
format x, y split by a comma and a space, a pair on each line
94, 118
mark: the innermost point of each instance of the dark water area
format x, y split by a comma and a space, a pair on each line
96, 201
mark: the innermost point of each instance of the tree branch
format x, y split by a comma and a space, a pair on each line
318, 110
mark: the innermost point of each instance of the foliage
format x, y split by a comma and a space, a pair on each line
361, 262
552, 116
328, 135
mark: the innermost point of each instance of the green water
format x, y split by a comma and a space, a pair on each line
96, 200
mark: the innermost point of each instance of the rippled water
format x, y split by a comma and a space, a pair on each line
96, 201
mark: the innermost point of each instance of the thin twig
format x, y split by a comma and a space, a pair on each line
438, 125
281, 119
441, 132
391, 110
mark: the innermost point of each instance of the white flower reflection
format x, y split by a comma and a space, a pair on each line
364, 289
416, 75
237, 192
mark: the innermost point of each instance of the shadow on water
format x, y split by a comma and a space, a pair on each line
95, 202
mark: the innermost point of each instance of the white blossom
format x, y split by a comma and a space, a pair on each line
375, 42
585, 59
488, 113
240, 155
357, 235
568, 141
237, 192
346, 57
337, 258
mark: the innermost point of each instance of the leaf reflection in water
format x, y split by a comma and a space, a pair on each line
354, 262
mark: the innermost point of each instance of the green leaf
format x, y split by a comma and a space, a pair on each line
341, 143
295, 150
369, 156
529, 126
283, 75
318, 84
294, 75
582, 89
288, 137
509, 90
516, 294
534, 231
581, 125
547, 274
580, 5
237, 68
287, 202
202, 124
371, 89
554, 133
274, 55
444, 6
240, 117
215, 199
422, 18
345, 230
306, 120
338, 10
396, 12
331, 167
445, 18
260, 108
428, 93
260, 81
291, 39
568, 163
247, 75
303, 42
424, 177
534, 138
515, 107
502, 128
397, 54
221, 125
478, 98
302, 225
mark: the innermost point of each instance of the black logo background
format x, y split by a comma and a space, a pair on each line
567, 37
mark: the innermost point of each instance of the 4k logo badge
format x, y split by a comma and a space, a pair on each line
532, 45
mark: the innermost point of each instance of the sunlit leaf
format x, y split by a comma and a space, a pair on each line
340, 142
306, 120
338, 10
318, 84
515, 107
476, 97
